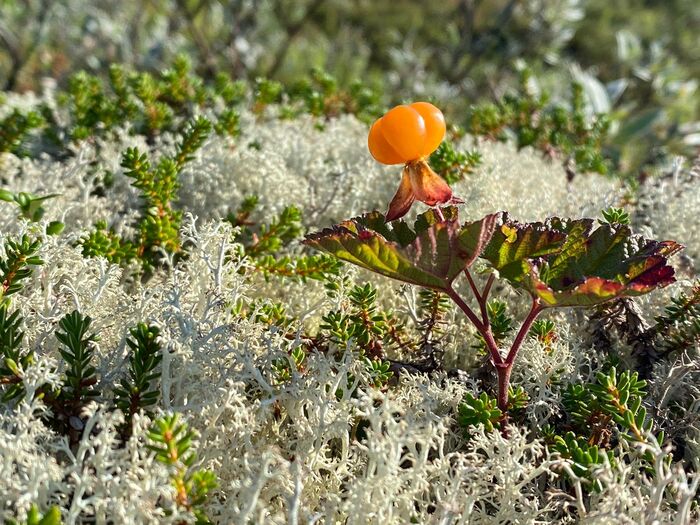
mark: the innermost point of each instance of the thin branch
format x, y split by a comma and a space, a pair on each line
535, 310
484, 329
487, 287
465, 308
472, 284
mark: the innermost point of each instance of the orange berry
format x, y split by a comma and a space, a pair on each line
434, 126
380, 149
404, 129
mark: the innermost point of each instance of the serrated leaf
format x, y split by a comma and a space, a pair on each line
573, 263
513, 243
431, 254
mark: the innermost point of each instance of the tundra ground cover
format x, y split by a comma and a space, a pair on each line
174, 353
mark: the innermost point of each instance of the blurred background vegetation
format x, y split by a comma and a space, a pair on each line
637, 60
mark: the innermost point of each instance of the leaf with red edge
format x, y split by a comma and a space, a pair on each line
573, 263
431, 254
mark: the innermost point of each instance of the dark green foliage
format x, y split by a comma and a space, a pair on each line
55, 228
14, 358
102, 242
160, 222
171, 441
80, 375
584, 456
612, 403
29, 205
242, 216
453, 165
379, 371
554, 129
283, 368
15, 128
231, 91
90, 107
599, 414
433, 309
517, 400
179, 86
501, 323
319, 94
614, 215
139, 390
148, 104
262, 243
482, 410
363, 322
544, 331
272, 314
16, 265
316, 267
267, 92
228, 123
620, 397
678, 329
193, 137
269, 238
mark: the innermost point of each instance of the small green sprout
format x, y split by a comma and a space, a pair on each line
614, 215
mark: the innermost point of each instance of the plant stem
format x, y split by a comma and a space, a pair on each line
503, 370
465, 308
535, 310
487, 287
472, 284
504, 367
483, 328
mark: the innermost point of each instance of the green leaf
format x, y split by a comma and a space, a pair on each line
52, 517
574, 263
431, 254
512, 244
54, 228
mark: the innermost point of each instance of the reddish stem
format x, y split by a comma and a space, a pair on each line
483, 328
503, 371
504, 367
535, 310
487, 287
472, 284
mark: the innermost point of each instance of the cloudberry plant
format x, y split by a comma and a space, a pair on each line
558, 263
